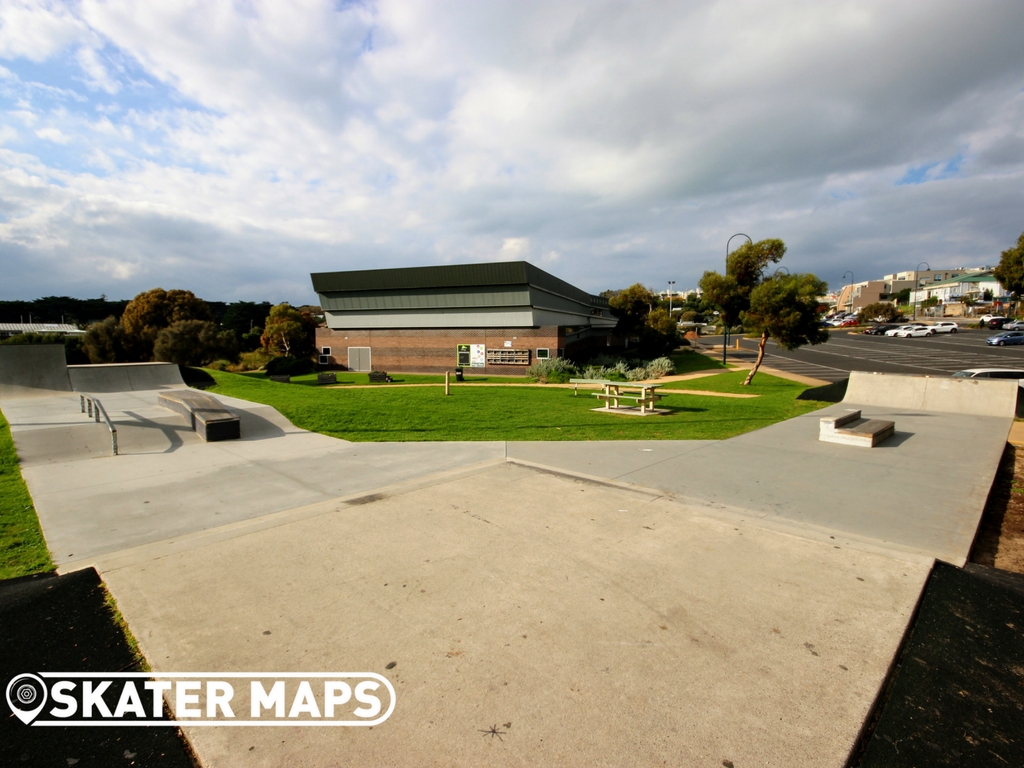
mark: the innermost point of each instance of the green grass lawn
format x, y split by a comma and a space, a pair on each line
388, 413
693, 362
348, 377
22, 548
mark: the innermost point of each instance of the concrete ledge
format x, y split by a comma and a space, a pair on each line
851, 429
210, 420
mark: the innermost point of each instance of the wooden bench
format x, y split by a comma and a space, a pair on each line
599, 382
281, 379
379, 377
851, 429
643, 396
206, 415
327, 378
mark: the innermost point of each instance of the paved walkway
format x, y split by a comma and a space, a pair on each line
688, 602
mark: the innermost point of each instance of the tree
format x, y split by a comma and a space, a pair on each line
288, 331
785, 308
107, 342
744, 271
1010, 272
641, 318
882, 311
152, 311
194, 342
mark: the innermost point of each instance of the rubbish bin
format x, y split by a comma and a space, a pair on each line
458, 374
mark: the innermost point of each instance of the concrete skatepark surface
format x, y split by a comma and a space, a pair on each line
695, 602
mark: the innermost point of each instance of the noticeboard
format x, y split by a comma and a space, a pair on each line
471, 355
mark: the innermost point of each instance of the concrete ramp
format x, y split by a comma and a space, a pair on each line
32, 370
973, 397
125, 377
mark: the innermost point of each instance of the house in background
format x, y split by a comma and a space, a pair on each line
497, 318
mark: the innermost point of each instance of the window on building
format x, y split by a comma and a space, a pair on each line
325, 351
543, 353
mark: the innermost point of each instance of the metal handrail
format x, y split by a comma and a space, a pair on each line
95, 410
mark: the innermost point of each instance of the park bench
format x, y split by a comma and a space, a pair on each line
851, 429
576, 383
206, 415
379, 377
281, 379
327, 378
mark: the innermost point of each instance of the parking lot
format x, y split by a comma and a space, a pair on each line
939, 355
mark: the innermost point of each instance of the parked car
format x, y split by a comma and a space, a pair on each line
848, 323
991, 373
995, 323
1014, 325
945, 326
896, 330
878, 330
909, 331
1006, 337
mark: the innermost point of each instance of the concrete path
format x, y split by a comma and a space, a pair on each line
166, 482
638, 602
905, 494
592, 625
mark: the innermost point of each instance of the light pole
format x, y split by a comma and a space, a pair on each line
914, 297
670, 284
850, 273
779, 270
725, 324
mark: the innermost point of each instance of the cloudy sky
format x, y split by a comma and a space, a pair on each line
231, 148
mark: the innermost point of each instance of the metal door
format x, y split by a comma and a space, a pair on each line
359, 358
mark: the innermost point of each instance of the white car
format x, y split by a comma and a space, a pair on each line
945, 326
902, 328
992, 373
909, 331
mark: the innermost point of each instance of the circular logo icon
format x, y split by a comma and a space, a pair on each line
26, 696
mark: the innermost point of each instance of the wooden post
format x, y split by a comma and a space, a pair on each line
447, 390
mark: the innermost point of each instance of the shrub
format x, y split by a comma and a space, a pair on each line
553, 370
219, 365
661, 366
636, 374
289, 366
594, 372
251, 361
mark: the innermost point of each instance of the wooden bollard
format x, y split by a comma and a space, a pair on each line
447, 386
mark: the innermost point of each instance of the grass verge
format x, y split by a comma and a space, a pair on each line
399, 414
22, 547
363, 379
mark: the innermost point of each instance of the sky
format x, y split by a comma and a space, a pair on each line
231, 148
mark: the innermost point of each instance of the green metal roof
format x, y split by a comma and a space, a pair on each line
450, 276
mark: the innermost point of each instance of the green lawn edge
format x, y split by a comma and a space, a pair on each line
519, 413
23, 549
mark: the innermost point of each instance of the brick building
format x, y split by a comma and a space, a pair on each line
494, 318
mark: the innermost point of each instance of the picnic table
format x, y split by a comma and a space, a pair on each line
613, 393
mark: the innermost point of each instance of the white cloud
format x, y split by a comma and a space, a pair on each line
53, 134
267, 140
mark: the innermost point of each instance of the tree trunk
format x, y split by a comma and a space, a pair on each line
760, 357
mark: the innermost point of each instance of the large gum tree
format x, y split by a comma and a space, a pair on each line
783, 307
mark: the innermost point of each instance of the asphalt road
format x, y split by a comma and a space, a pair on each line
939, 355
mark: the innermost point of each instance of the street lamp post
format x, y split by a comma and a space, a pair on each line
670, 284
725, 324
914, 297
850, 273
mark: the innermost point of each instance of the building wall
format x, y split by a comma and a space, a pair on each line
433, 350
